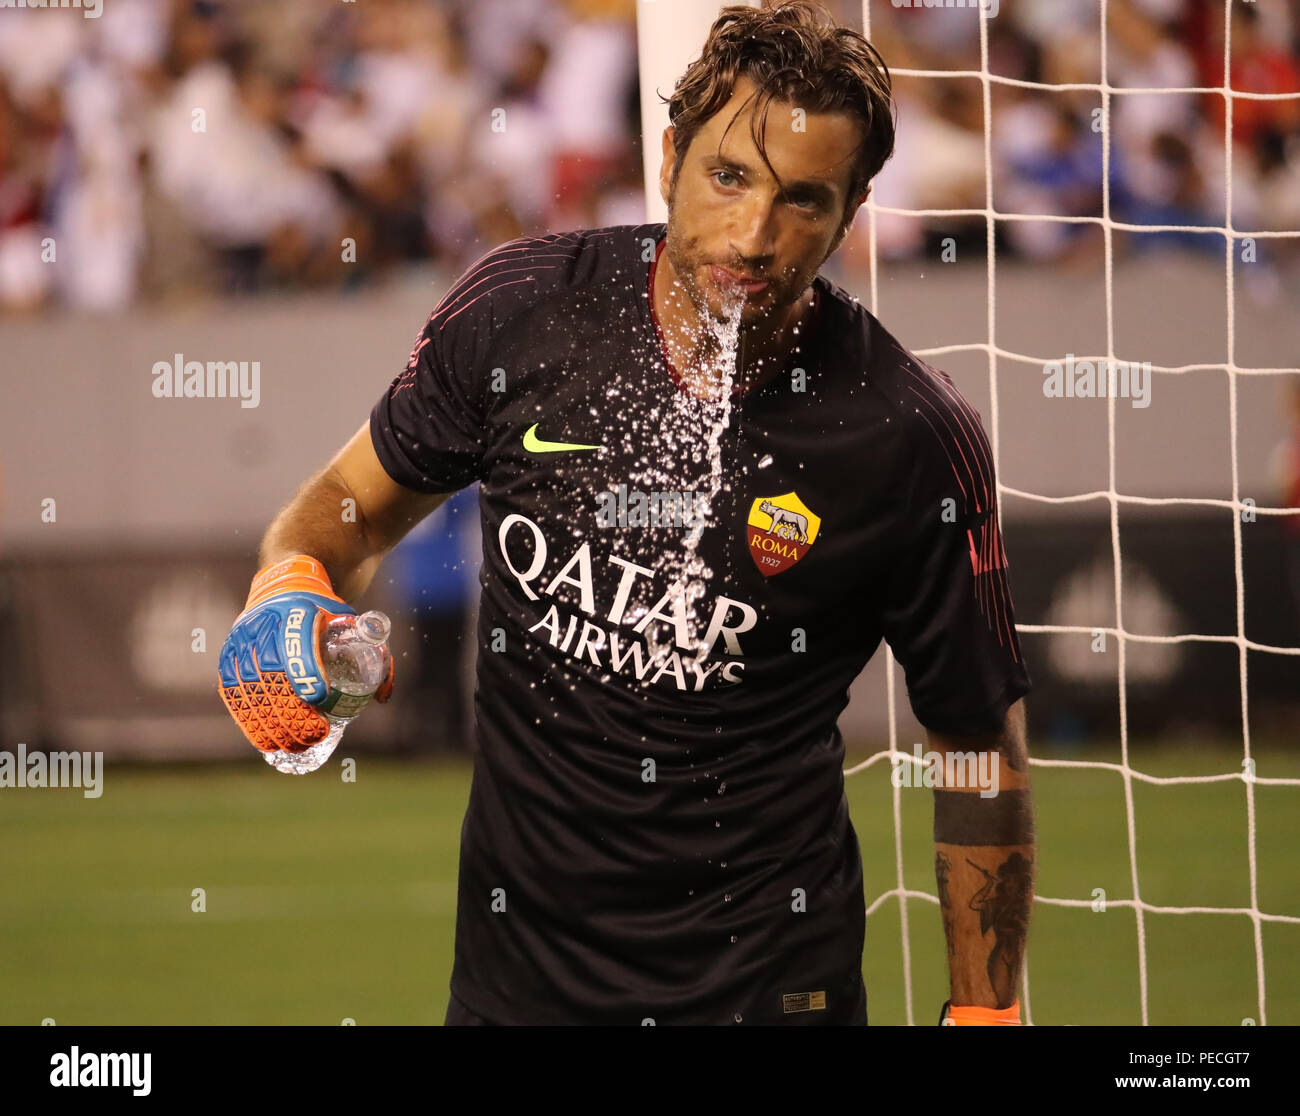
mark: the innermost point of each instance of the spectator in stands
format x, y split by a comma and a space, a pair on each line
375, 122
1259, 65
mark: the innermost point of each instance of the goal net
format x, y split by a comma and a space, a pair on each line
1239, 244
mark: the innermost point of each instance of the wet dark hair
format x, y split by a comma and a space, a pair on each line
794, 52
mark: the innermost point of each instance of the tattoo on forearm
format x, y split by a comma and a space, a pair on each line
1003, 905
942, 869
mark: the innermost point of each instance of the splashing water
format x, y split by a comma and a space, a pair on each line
691, 433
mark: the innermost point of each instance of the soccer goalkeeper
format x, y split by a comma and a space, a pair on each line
657, 827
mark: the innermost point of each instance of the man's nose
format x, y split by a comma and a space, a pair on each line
753, 238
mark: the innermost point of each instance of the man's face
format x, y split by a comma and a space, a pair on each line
727, 213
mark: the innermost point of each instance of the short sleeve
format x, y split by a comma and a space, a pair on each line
428, 427
948, 615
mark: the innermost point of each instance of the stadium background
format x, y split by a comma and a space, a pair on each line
328, 900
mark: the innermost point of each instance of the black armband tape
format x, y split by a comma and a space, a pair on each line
964, 818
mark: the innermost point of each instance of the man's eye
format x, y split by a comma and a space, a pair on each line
718, 176
803, 201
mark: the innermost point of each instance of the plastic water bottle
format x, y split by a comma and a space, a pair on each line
354, 658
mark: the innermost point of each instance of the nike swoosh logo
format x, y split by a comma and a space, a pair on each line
534, 444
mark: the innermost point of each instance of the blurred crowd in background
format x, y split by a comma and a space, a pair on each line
1168, 151
173, 148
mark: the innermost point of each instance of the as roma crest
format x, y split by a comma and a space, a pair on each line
780, 531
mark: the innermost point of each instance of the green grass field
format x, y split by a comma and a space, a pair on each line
329, 900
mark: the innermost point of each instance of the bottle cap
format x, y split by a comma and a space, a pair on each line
373, 626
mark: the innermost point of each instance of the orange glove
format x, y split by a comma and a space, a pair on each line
270, 679
958, 1016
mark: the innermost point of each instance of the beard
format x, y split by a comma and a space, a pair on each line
690, 262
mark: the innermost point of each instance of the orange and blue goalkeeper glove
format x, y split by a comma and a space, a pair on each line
958, 1016
270, 679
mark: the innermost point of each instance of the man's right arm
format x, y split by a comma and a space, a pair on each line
349, 539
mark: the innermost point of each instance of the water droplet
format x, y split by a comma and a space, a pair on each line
722, 787
737, 1017
727, 898
722, 864
765, 461
717, 825
691, 892
733, 939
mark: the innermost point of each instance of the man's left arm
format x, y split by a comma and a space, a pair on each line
984, 866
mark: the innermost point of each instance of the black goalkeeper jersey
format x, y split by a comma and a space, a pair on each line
657, 827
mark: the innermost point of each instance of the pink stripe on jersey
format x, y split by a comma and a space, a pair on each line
942, 390
955, 444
